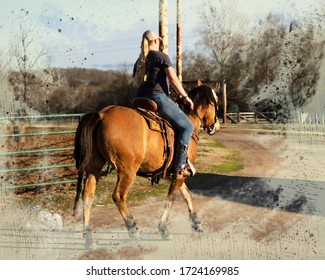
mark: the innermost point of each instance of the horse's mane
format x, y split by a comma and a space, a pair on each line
201, 96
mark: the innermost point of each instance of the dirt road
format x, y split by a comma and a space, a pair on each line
272, 209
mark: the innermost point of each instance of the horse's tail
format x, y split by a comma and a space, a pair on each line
83, 143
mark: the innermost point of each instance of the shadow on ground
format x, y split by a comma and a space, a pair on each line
294, 195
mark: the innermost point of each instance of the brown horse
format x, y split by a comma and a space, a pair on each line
120, 136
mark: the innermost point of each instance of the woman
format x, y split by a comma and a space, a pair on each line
150, 74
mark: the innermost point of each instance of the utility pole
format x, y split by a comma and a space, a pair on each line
224, 100
179, 69
163, 24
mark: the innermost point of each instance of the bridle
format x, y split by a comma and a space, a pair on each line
215, 101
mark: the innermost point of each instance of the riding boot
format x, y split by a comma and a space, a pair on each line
182, 166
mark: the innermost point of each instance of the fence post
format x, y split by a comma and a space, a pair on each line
19, 129
16, 131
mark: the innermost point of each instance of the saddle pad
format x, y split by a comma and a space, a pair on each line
153, 120
153, 125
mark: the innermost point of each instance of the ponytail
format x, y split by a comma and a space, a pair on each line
140, 72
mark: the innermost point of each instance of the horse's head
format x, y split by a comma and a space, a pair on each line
206, 101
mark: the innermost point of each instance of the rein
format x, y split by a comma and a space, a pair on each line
195, 137
215, 105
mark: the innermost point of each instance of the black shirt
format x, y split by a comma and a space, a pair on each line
156, 76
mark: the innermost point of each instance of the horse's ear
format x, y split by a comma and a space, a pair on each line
199, 83
216, 87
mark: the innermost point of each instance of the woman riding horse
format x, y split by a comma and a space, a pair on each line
121, 137
151, 71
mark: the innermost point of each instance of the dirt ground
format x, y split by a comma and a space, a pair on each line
272, 209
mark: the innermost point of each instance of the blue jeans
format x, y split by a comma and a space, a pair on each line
177, 118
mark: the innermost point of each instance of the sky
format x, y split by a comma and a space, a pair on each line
106, 34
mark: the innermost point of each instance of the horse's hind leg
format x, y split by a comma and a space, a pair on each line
78, 193
124, 182
87, 197
196, 223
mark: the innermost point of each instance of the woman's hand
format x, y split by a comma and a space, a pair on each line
177, 85
188, 101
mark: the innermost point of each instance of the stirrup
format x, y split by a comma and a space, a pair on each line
191, 167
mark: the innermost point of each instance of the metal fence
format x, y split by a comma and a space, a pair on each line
19, 133
308, 118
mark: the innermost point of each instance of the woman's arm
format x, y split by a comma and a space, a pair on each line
177, 85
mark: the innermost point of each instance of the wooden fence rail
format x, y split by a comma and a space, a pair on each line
252, 117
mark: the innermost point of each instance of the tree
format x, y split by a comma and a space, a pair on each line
198, 66
304, 62
273, 66
263, 54
79, 90
221, 34
25, 56
224, 41
294, 56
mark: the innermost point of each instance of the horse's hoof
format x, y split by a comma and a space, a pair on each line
197, 228
166, 235
196, 223
89, 243
132, 228
134, 233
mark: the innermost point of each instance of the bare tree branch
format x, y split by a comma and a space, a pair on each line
26, 57
221, 33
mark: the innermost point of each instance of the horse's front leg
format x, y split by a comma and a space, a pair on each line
196, 223
87, 197
174, 187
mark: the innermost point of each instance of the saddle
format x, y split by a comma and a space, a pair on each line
148, 109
